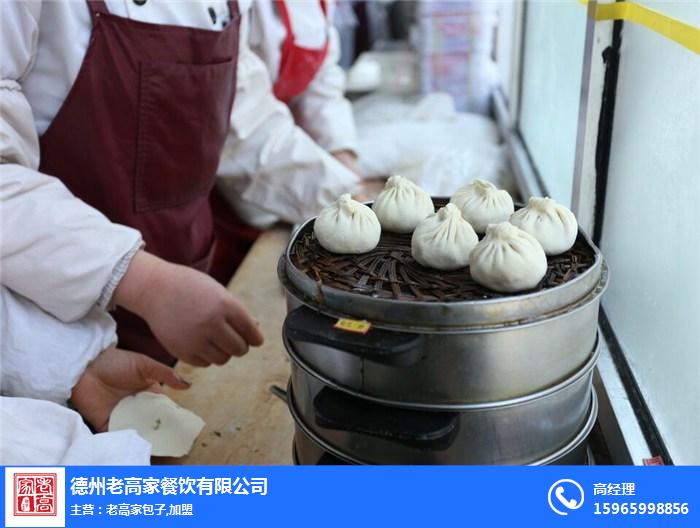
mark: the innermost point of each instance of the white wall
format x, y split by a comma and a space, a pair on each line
553, 58
651, 228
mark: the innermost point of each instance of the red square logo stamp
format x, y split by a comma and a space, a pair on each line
35, 497
35, 494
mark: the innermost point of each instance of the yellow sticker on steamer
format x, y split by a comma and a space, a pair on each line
353, 325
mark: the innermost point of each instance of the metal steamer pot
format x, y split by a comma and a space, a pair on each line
522, 430
310, 450
444, 354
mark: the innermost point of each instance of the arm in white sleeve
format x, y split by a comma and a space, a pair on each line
42, 357
268, 161
35, 432
322, 110
54, 249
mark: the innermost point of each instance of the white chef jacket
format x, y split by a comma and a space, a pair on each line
322, 110
267, 160
41, 360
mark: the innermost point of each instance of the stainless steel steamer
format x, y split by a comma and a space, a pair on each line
308, 449
431, 354
516, 431
506, 380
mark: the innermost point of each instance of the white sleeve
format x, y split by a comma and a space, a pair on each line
35, 432
322, 110
42, 357
267, 160
54, 249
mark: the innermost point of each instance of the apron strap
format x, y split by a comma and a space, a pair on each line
233, 9
95, 7
284, 15
286, 20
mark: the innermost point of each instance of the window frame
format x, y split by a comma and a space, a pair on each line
625, 420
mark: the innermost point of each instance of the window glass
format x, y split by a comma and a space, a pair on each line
650, 226
550, 92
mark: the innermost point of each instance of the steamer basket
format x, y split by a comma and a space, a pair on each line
437, 316
428, 354
309, 450
433, 369
517, 431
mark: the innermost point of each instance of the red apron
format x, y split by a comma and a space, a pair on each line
234, 239
298, 66
140, 135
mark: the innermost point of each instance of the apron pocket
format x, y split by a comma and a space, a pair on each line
184, 113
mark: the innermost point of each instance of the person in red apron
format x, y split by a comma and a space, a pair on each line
306, 78
140, 134
304, 69
298, 65
127, 103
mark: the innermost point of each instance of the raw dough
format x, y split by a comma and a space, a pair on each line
482, 203
347, 226
507, 259
402, 205
170, 429
552, 224
444, 240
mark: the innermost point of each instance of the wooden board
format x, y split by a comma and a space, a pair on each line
245, 422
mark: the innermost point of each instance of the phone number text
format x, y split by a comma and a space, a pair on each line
641, 508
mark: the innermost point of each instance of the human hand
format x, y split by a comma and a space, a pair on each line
349, 159
113, 375
195, 318
369, 189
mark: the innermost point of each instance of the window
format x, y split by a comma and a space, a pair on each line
554, 37
649, 226
646, 209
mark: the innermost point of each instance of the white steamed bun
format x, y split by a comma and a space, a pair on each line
401, 205
482, 203
507, 259
444, 240
347, 226
552, 224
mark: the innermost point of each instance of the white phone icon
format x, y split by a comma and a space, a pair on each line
558, 502
569, 503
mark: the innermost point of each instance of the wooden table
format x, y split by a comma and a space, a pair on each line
245, 422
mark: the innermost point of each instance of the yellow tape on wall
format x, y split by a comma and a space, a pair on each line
680, 32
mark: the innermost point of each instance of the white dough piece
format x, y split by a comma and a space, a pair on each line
170, 429
482, 203
553, 225
402, 205
364, 76
347, 226
508, 259
444, 240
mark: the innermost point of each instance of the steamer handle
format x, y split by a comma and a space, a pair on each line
429, 430
380, 346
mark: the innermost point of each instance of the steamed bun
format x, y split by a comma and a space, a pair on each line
508, 259
347, 226
553, 225
444, 240
402, 205
482, 203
